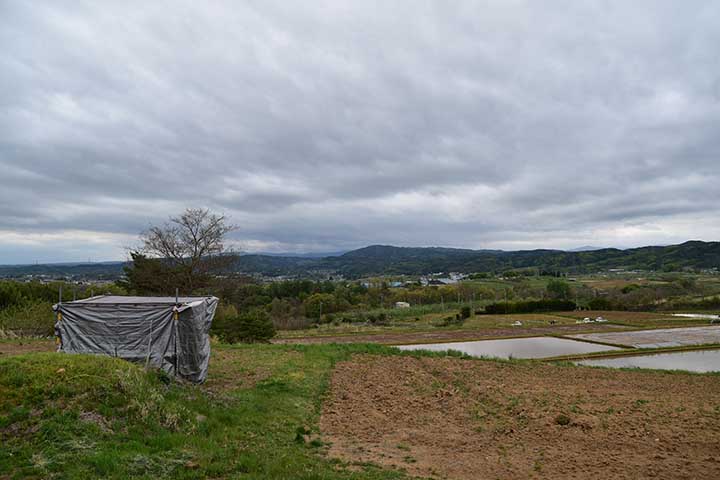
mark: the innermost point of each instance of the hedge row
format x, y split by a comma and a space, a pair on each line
531, 306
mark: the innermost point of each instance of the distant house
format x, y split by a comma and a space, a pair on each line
402, 305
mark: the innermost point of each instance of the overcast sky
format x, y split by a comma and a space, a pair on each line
325, 126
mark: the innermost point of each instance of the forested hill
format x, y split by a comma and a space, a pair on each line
389, 260
80, 271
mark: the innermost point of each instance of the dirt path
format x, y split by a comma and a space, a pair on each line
474, 419
20, 346
397, 338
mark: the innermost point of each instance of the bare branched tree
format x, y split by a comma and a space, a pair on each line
191, 247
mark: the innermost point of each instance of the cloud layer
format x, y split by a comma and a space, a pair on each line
332, 125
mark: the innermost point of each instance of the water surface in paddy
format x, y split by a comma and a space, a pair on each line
708, 316
697, 361
533, 347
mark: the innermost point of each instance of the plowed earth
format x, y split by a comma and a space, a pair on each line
475, 419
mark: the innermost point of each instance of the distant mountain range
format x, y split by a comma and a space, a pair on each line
298, 255
585, 248
390, 260
83, 270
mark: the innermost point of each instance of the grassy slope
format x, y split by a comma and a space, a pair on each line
104, 418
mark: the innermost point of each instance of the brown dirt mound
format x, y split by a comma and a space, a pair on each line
474, 419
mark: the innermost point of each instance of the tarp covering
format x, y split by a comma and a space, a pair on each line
159, 331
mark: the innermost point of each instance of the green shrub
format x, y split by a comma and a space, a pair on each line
465, 312
451, 321
562, 419
600, 304
629, 288
35, 318
253, 326
531, 306
379, 319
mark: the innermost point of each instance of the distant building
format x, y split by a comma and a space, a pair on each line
436, 280
402, 305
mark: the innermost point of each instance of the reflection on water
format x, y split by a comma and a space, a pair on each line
697, 361
708, 316
534, 347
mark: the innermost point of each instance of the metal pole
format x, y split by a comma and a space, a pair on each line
58, 337
177, 360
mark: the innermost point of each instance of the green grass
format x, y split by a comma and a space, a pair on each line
74, 416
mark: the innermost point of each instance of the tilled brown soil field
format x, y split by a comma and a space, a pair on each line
397, 338
475, 419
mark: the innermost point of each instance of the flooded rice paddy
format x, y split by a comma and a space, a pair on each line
707, 316
696, 361
665, 337
533, 347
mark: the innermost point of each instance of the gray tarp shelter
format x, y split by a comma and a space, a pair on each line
166, 332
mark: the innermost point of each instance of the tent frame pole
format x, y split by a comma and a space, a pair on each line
177, 315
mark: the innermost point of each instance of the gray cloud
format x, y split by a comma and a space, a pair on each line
332, 125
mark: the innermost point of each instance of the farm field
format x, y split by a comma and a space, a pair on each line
430, 323
351, 412
483, 327
456, 418
449, 335
637, 319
